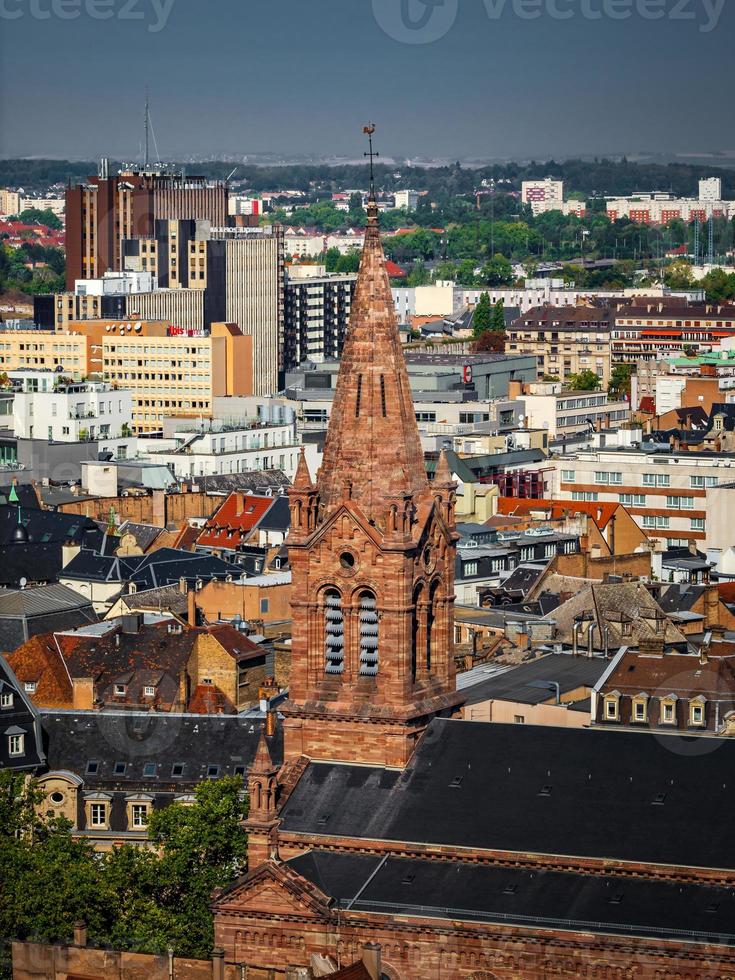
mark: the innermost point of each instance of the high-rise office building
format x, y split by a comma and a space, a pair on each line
106, 210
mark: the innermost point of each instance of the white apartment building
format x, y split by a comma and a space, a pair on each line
661, 208
226, 449
668, 393
710, 189
117, 284
444, 298
561, 412
548, 195
56, 205
407, 199
69, 412
666, 492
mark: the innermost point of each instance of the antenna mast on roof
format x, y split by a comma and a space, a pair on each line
147, 124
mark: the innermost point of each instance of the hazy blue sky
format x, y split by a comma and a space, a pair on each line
295, 76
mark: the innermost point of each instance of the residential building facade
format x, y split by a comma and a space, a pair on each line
665, 491
565, 341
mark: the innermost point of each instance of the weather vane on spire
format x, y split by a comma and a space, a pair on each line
368, 131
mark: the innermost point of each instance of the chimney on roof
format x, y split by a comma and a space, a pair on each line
191, 614
270, 723
651, 646
371, 960
711, 607
80, 933
182, 586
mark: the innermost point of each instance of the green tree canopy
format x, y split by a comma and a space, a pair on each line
584, 381
37, 216
132, 898
482, 317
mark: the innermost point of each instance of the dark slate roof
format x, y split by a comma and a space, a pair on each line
535, 790
166, 566
40, 559
145, 534
89, 566
255, 481
679, 598
518, 896
278, 515
24, 491
531, 683
45, 526
20, 717
46, 608
522, 579
74, 739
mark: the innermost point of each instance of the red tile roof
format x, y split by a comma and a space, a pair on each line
394, 270
233, 523
557, 510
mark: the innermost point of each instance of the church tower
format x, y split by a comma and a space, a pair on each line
372, 551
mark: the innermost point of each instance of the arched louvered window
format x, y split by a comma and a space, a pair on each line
416, 634
334, 628
368, 635
432, 625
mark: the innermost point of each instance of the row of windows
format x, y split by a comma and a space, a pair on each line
666, 714
696, 482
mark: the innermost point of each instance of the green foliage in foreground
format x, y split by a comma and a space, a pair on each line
132, 898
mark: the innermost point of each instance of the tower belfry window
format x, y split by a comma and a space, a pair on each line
334, 629
368, 635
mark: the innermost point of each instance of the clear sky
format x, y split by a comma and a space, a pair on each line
502, 78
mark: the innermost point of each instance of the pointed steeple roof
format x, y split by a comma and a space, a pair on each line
373, 439
443, 475
262, 762
302, 477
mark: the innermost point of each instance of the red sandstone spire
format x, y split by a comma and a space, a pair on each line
262, 762
302, 477
373, 440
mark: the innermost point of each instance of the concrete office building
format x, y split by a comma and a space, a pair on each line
179, 375
245, 286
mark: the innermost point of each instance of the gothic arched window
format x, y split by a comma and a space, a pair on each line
334, 630
368, 615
